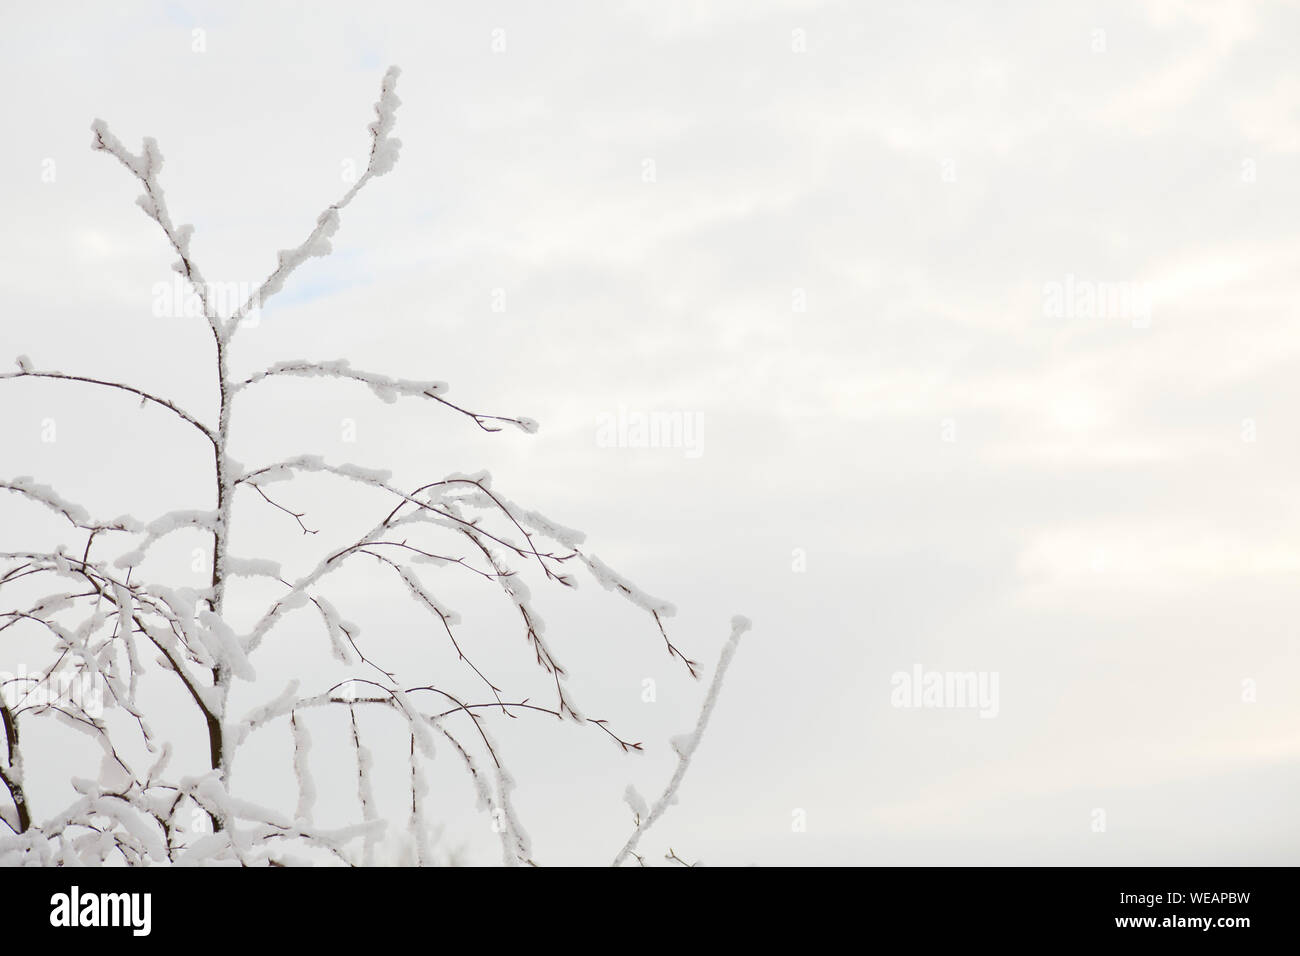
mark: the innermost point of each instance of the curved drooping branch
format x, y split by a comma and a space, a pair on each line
132, 603
77, 516
380, 480
27, 372
372, 540
485, 497
514, 841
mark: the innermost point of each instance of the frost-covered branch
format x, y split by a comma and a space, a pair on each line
383, 155
25, 371
77, 515
686, 744
386, 388
145, 167
114, 618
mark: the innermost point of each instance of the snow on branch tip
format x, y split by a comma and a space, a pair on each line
145, 166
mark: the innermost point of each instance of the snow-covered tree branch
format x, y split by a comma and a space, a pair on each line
154, 661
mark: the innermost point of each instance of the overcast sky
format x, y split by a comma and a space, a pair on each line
855, 247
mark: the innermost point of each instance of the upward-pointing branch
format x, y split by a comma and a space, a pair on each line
383, 154
145, 168
686, 744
